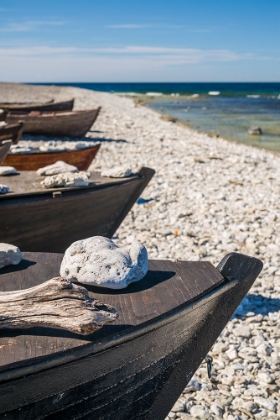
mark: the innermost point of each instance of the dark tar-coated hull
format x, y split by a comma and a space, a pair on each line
36, 219
135, 369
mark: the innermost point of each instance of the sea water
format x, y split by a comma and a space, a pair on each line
220, 109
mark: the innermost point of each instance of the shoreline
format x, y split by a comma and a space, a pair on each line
209, 197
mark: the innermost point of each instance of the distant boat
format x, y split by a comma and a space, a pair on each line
38, 106
134, 367
4, 148
80, 158
11, 131
49, 220
59, 123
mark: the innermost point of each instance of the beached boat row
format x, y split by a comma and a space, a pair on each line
51, 119
137, 365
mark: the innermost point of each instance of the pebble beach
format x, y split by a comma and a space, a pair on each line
209, 197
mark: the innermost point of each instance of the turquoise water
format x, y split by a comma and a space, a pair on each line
223, 109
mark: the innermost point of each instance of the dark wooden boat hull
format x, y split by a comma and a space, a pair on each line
81, 158
4, 148
47, 106
60, 123
50, 220
138, 373
11, 132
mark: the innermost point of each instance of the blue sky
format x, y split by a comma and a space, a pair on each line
147, 40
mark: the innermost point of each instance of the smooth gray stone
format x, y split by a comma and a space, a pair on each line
255, 131
100, 262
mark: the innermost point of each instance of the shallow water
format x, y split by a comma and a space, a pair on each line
229, 117
224, 109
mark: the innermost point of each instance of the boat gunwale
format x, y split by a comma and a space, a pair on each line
21, 107
52, 114
64, 190
39, 152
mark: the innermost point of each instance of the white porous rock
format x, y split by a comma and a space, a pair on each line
98, 261
67, 179
21, 150
58, 167
7, 170
4, 189
9, 255
51, 148
117, 172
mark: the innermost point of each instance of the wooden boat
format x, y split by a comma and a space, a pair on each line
60, 123
39, 106
11, 131
4, 148
80, 158
49, 220
133, 368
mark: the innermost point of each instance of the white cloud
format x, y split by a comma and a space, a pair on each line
192, 54
69, 68
129, 63
30, 25
155, 26
129, 26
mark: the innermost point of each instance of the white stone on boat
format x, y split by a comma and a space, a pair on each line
58, 167
98, 261
117, 172
67, 179
9, 255
7, 170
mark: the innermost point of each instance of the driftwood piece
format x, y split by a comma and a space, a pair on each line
57, 303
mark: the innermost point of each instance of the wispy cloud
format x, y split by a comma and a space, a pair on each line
129, 26
161, 55
30, 25
152, 26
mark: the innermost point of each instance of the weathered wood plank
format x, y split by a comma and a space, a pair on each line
56, 303
159, 293
4, 148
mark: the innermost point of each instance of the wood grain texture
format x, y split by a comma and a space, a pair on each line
11, 132
136, 373
51, 220
81, 158
4, 148
58, 123
167, 286
56, 303
37, 106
